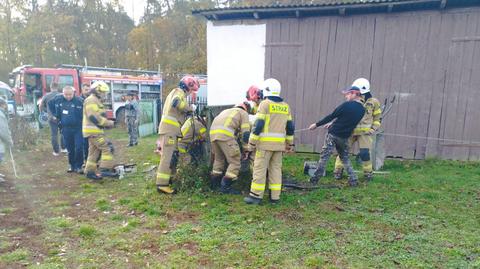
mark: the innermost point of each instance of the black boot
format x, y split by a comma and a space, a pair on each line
215, 182
226, 186
94, 176
353, 182
338, 173
252, 200
368, 176
314, 180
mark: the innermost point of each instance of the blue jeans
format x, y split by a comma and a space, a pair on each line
74, 142
54, 130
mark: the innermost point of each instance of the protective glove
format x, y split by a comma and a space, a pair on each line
289, 148
158, 148
371, 131
109, 124
111, 147
246, 155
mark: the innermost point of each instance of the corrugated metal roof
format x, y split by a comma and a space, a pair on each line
328, 8
305, 5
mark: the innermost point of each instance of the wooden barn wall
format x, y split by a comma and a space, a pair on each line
429, 60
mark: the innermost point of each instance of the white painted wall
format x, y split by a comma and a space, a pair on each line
235, 61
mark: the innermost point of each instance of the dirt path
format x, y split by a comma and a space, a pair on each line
27, 202
23, 202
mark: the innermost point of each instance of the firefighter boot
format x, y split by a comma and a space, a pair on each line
226, 186
352, 182
252, 200
215, 182
165, 189
274, 201
368, 176
94, 176
338, 173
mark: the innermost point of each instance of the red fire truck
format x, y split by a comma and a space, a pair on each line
30, 84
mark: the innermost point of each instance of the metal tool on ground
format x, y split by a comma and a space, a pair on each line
122, 169
309, 168
13, 163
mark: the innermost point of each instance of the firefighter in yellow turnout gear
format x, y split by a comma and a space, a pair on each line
272, 135
194, 134
169, 130
226, 127
362, 134
93, 122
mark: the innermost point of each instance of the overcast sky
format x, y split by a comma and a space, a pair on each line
134, 8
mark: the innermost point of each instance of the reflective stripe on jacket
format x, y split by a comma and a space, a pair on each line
273, 136
190, 129
372, 118
229, 124
173, 114
93, 109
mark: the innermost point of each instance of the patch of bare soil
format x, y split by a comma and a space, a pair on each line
23, 200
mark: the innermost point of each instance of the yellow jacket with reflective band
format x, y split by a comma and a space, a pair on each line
191, 128
229, 124
372, 118
173, 117
92, 106
274, 135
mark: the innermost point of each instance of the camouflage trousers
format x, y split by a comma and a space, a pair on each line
132, 126
341, 145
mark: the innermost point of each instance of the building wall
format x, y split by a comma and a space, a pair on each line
429, 60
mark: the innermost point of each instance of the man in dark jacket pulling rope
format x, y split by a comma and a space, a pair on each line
345, 117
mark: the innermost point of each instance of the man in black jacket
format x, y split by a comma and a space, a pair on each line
345, 117
68, 109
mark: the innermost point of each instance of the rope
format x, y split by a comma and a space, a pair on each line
433, 138
301, 130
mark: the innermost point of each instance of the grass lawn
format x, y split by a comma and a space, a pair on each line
423, 214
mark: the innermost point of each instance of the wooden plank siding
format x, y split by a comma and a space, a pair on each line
429, 60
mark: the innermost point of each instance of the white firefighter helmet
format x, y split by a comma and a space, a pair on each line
363, 84
271, 87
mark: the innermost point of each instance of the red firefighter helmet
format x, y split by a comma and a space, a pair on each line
254, 94
189, 83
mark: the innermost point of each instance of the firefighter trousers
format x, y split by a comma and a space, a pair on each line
132, 126
168, 159
365, 146
270, 161
98, 146
226, 152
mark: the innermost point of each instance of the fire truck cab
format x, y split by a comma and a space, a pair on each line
30, 84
